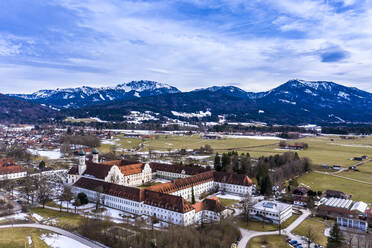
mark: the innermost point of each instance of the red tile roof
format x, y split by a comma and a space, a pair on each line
189, 170
7, 166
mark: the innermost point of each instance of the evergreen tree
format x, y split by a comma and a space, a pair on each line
217, 162
336, 238
225, 162
192, 195
42, 165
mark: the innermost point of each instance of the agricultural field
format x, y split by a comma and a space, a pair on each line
364, 173
324, 149
319, 181
331, 150
20, 237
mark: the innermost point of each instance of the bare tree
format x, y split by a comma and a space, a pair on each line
44, 192
99, 191
247, 204
66, 195
310, 235
27, 187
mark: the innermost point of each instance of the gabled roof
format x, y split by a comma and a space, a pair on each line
229, 178
126, 167
183, 183
169, 202
97, 170
129, 193
188, 170
211, 204
8, 166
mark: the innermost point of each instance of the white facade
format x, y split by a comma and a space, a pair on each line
276, 212
140, 208
13, 175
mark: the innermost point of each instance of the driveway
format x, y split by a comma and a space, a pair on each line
247, 235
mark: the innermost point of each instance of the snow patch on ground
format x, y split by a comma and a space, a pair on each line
59, 241
53, 154
199, 114
37, 217
19, 216
228, 196
199, 157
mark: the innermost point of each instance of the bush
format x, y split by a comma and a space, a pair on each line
82, 198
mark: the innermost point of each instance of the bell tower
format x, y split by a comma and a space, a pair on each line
82, 166
95, 154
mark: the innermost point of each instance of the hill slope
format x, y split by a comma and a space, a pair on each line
295, 102
14, 110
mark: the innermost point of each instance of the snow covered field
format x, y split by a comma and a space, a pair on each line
199, 157
53, 154
59, 241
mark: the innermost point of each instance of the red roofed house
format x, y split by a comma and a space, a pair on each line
9, 170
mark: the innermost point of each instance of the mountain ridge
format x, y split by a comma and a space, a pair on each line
294, 102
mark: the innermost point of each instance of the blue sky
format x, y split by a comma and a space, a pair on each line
253, 44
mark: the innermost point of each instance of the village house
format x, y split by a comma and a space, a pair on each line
10, 170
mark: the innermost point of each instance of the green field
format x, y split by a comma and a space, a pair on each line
64, 220
364, 173
268, 241
326, 149
322, 182
330, 150
18, 237
317, 226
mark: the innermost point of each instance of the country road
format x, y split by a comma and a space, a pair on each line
73, 236
247, 235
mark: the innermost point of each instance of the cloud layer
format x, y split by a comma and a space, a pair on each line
187, 43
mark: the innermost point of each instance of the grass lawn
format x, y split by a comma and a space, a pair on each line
64, 220
364, 173
269, 241
227, 202
266, 227
317, 228
148, 185
18, 237
322, 182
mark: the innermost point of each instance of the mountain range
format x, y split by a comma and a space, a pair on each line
294, 102
83, 96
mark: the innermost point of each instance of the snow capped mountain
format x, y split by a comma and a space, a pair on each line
82, 96
294, 102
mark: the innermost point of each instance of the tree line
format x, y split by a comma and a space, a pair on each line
268, 171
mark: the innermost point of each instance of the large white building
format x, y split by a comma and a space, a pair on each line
276, 212
169, 202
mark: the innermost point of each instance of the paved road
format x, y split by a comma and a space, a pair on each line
73, 236
247, 235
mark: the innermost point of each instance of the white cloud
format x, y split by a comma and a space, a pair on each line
147, 40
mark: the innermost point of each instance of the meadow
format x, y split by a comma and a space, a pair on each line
331, 150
